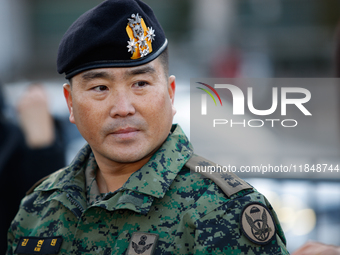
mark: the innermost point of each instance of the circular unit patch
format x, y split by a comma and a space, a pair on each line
257, 223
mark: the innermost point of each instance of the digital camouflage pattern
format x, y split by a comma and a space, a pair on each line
162, 208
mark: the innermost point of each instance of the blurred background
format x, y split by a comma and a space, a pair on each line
207, 38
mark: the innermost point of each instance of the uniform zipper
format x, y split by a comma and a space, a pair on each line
75, 203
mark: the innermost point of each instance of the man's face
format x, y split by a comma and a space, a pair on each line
125, 114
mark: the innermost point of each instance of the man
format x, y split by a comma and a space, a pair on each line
130, 190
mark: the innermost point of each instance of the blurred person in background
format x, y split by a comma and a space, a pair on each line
28, 152
316, 248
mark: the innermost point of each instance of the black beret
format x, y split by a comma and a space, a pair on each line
116, 33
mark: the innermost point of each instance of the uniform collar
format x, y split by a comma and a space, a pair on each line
69, 183
92, 189
155, 177
151, 181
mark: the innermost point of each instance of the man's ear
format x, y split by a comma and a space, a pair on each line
172, 89
68, 97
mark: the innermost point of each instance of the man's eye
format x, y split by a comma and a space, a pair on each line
140, 84
100, 88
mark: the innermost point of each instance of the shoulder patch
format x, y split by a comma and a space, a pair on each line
229, 182
30, 191
142, 243
257, 223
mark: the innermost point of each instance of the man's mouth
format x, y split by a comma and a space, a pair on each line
125, 133
125, 130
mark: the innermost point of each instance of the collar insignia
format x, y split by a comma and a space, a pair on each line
257, 223
142, 243
140, 37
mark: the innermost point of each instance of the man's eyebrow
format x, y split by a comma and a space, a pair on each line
90, 75
140, 70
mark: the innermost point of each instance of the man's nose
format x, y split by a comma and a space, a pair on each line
121, 104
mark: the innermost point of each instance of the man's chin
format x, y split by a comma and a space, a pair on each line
129, 158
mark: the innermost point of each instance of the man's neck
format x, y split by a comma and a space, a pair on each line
112, 176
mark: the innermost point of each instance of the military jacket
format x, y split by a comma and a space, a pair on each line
163, 208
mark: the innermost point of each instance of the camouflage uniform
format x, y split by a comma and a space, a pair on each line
187, 213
